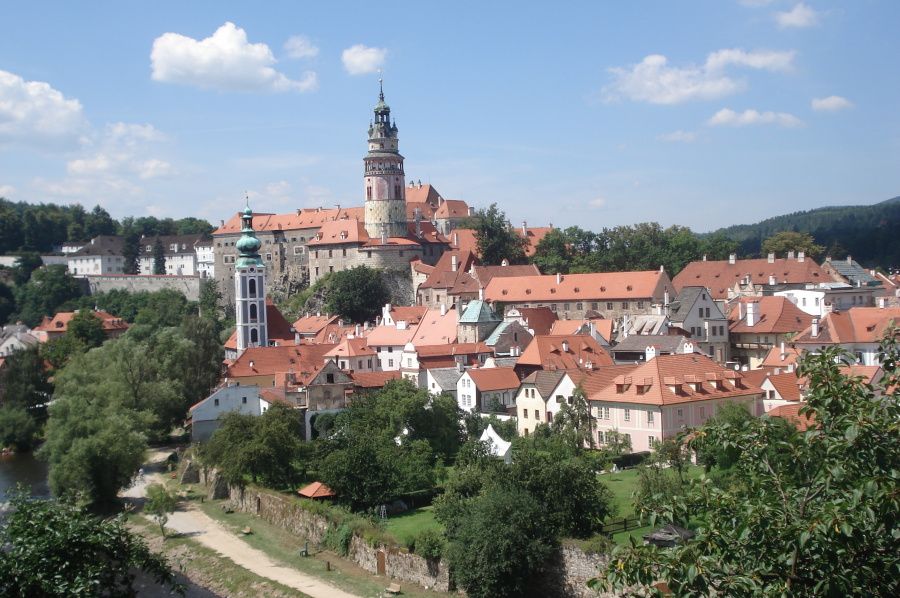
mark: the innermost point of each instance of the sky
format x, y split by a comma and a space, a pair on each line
701, 113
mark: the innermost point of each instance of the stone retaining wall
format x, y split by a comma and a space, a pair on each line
564, 578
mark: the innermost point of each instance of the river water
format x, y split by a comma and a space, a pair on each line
23, 468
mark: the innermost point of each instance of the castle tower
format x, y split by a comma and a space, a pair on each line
250, 289
385, 180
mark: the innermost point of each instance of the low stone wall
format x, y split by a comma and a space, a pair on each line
187, 285
565, 577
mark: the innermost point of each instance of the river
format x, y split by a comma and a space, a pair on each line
23, 468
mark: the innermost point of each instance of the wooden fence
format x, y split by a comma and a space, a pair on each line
623, 524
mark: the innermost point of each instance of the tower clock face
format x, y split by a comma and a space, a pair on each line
252, 270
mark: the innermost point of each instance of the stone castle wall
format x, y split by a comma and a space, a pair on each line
188, 285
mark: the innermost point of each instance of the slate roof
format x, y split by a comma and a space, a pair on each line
183, 244
446, 378
667, 343
851, 272
544, 381
102, 245
684, 302
719, 276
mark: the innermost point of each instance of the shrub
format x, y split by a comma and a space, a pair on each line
429, 544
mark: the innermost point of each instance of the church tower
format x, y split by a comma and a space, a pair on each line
250, 289
385, 180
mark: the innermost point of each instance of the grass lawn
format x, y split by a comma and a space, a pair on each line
623, 484
404, 526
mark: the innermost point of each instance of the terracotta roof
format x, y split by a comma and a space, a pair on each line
490, 379
786, 383
444, 277
338, 232
538, 319
484, 274
564, 352
275, 394
59, 323
305, 360
856, 325
434, 328
303, 219
464, 238
452, 208
534, 235
421, 194
576, 287
426, 351
775, 358
680, 372
594, 381
374, 379
333, 333
316, 490
544, 381
719, 276
309, 325
777, 315
350, 347
792, 414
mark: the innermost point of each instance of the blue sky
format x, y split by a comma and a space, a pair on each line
701, 113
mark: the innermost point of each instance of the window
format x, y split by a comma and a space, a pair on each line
595, 306
566, 307
343, 253
707, 312
390, 363
215, 402
651, 440
579, 306
549, 417
624, 305
390, 349
553, 307
601, 437
700, 312
609, 305
524, 413
640, 305
650, 418
702, 413
329, 253
680, 414
606, 413
268, 257
298, 250
628, 438
537, 415
628, 415
244, 400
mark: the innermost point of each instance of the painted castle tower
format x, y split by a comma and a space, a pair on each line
385, 214
250, 289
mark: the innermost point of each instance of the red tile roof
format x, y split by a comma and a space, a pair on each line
719, 276
792, 414
490, 379
316, 490
538, 319
59, 323
464, 238
374, 379
336, 232
776, 358
310, 325
670, 379
279, 329
577, 287
444, 277
302, 219
777, 315
856, 325
484, 274
452, 208
564, 352
305, 360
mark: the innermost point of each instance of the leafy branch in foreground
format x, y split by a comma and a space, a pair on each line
815, 514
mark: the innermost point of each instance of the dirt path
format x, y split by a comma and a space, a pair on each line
191, 521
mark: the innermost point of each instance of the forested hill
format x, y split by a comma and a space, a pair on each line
871, 234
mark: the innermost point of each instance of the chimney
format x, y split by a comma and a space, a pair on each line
881, 302
251, 363
850, 259
772, 280
296, 337
650, 352
443, 309
666, 296
815, 328
771, 257
456, 239
337, 207
454, 263
688, 348
782, 350
524, 229
471, 212
801, 256
790, 255
358, 330
731, 258
662, 269
752, 313
828, 258
704, 257
505, 262
559, 278
565, 346
740, 310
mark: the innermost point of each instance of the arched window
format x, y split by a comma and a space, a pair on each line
254, 335
253, 313
251, 287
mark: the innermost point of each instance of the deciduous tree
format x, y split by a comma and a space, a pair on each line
497, 239
358, 294
786, 241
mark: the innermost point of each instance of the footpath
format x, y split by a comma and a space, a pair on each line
189, 520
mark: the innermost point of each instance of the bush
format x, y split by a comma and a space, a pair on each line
630, 460
429, 544
338, 538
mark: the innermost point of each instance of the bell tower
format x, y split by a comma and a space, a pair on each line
384, 176
250, 289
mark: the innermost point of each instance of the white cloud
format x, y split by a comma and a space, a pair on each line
33, 114
682, 136
359, 59
801, 16
596, 204
730, 118
132, 133
7, 191
300, 46
653, 80
224, 61
155, 169
832, 104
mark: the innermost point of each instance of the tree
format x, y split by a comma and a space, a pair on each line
49, 288
160, 502
159, 257
358, 294
131, 249
27, 383
553, 253
7, 303
574, 422
497, 240
99, 222
26, 263
59, 550
209, 303
786, 241
820, 516
18, 428
10, 227
500, 545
